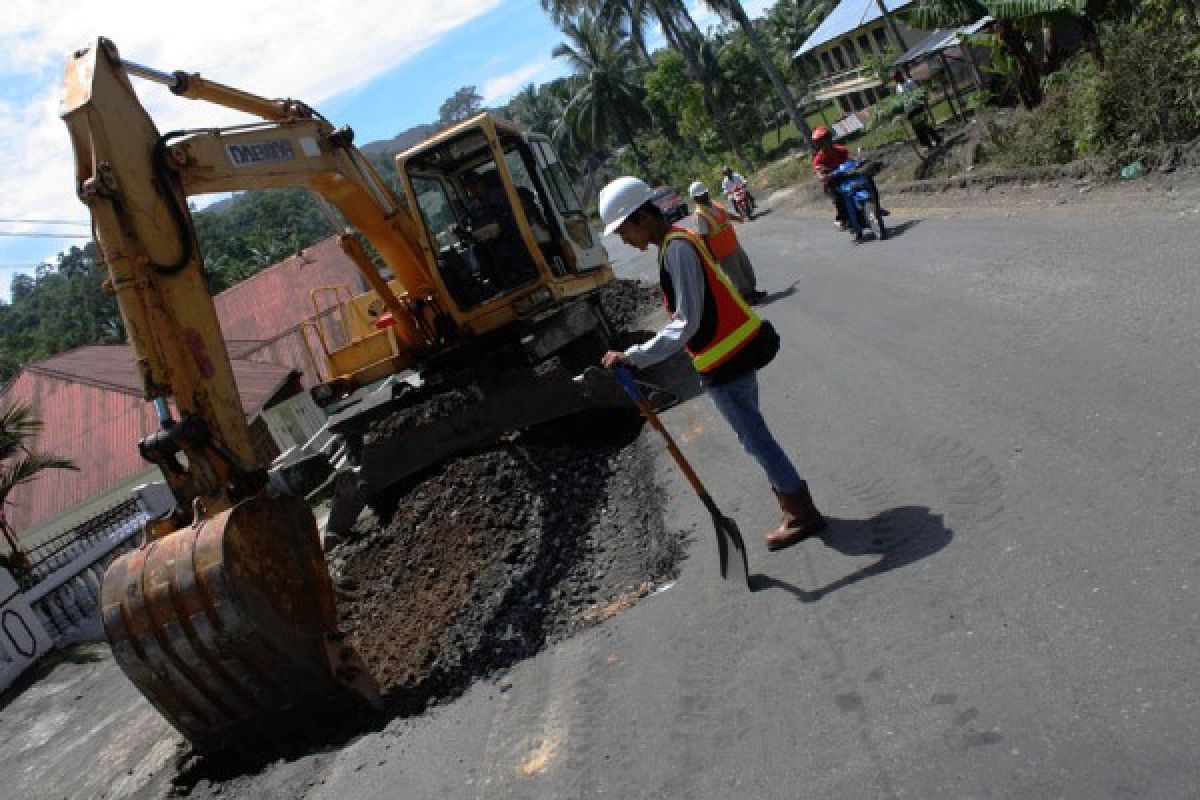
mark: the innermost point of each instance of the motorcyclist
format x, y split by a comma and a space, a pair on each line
827, 158
731, 181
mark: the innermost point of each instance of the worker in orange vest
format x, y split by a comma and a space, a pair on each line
727, 340
714, 222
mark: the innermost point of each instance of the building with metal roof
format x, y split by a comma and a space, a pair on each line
845, 51
93, 412
262, 317
90, 398
849, 16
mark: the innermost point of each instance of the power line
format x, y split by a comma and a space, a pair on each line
48, 221
43, 235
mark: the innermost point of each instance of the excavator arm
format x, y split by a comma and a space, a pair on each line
226, 619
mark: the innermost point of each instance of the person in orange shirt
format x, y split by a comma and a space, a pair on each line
714, 223
827, 157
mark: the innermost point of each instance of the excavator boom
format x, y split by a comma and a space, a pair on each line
225, 619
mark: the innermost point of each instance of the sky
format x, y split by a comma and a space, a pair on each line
380, 66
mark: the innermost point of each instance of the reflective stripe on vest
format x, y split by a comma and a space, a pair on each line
735, 324
721, 238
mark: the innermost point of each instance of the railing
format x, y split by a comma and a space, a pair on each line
850, 76
62, 604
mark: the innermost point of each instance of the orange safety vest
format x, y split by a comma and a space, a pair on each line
726, 323
721, 239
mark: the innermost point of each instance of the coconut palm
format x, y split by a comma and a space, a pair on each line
607, 96
19, 464
732, 11
633, 15
535, 109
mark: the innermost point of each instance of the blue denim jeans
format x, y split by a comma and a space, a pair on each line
738, 403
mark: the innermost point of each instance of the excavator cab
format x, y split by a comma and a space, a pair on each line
500, 217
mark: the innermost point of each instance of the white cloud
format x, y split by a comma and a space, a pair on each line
499, 88
296, 48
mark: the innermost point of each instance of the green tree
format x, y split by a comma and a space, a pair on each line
61, 307
260, 228
675, 101
20, 464
537, 110
607, 98
732, 10
463, 104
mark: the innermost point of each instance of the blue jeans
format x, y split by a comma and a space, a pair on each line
738, 403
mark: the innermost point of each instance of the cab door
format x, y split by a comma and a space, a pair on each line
589, 251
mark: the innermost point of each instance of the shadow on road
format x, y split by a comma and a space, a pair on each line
902, 228
899, 536
779, 295
759, 214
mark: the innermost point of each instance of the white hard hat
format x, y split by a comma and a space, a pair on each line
697, 188
620, 198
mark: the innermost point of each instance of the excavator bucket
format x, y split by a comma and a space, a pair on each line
229, 627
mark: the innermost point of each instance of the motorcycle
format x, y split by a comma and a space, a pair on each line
852, 180
743, 201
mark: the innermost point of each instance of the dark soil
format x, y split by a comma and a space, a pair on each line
481, 563
626, 302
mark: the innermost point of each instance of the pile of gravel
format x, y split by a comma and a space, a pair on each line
626, 302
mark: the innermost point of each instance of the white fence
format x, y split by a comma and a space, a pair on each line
62, 606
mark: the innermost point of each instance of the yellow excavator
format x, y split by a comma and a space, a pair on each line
225, 618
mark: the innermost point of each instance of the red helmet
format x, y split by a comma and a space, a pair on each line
819, 133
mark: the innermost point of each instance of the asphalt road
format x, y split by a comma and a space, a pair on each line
998, 411
1000, 414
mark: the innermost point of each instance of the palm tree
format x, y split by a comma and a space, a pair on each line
631, 14
607, 97
19, 464
732, 10
536, 109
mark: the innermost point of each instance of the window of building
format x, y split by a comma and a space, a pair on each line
851, 53
872, 98
856, 101
838, 58
827, 64
844, 105
881, 39
864, 44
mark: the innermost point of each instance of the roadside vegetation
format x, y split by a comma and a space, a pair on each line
730, 94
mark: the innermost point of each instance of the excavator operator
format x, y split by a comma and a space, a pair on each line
502, 257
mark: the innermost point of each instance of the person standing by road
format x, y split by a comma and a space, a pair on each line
714, 223
916, 110
727, 341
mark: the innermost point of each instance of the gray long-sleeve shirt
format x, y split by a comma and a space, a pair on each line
687, 276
